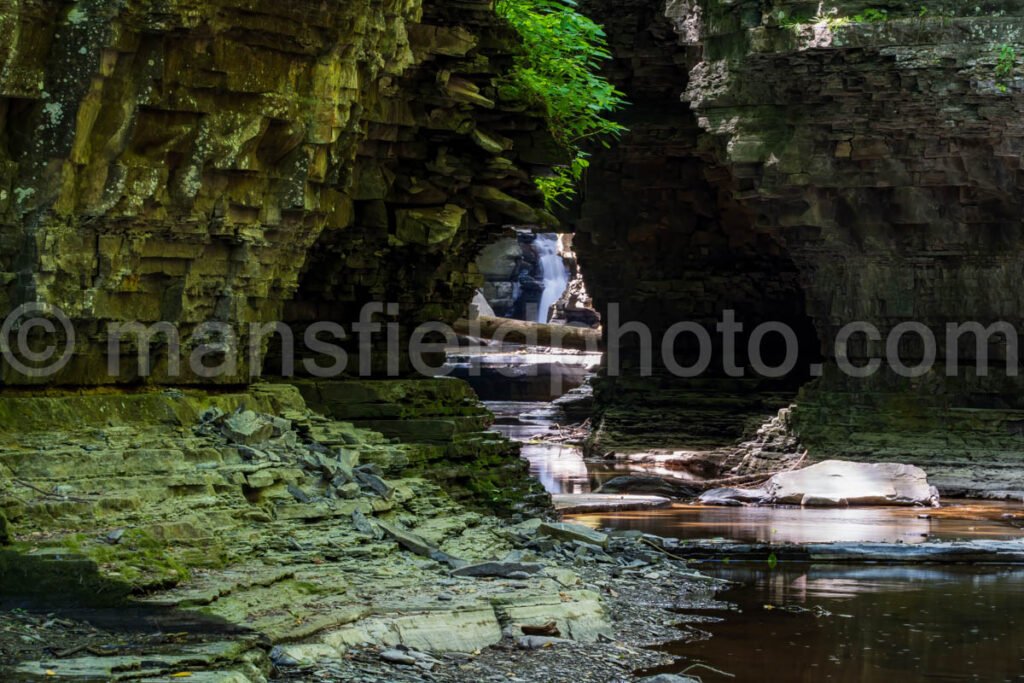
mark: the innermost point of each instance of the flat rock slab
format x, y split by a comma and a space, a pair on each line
966, 552
500, 569
565, 531
133, 667
837, 483
572, 503
464, 629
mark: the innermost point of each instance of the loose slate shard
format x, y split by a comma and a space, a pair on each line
374, 483
362, 524
565, 531
500, 569
298, 494
407, 539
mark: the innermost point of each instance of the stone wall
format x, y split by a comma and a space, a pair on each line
873, 165
660, 235
886, 156
235, 161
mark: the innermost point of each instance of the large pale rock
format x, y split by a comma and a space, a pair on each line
578, 614
460, 630
246, 427
455, 631
841, 482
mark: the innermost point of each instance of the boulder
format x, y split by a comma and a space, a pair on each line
481, 306
836, 483
733, 496
247, 428
647, 485
841, 482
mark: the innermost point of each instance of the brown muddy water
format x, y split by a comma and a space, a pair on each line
956, 521
864, 624
809, 623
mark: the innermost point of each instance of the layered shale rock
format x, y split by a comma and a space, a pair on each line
239, 521
232, 161
836, 163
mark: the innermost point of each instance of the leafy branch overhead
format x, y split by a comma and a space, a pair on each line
559, 70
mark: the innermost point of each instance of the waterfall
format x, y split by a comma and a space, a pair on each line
553, 271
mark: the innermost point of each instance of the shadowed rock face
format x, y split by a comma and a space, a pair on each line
234, 161
834, 171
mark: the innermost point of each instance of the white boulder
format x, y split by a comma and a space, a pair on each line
841, 482
836, 483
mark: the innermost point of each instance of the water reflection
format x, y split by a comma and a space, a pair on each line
807, 624
559, 467
977, 520
869, 625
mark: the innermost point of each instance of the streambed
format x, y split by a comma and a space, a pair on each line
807, 622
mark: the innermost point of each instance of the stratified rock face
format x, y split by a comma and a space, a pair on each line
879, 157
211, 161
660, 236
886, 157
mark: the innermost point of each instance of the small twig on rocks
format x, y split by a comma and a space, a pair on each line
50, 494
69, 651
749, 479
697, 576
709, 668
758, 478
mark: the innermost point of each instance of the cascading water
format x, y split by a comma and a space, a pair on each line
553, 271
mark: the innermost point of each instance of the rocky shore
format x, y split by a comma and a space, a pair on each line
243, 537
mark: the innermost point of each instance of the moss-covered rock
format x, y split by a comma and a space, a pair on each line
6, 533
245, 162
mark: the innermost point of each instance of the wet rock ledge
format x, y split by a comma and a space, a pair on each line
243, 537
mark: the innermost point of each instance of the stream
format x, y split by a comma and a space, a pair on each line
799, 622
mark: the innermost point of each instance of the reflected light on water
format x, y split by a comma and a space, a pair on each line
863, 625
817, 525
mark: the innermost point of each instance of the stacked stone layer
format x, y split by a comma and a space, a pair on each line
237, 162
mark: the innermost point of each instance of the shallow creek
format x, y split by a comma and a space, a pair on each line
819, 622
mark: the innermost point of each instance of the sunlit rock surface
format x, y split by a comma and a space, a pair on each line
239, 162
836, 483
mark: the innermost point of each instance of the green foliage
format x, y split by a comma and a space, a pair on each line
1006, 62
6, 535
559, 70
871, 15
831, 18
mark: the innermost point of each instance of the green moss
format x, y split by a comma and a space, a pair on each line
6, 535
139, 559
52, 574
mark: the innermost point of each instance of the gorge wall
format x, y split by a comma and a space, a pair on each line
245, 162
242, 162
853, 166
